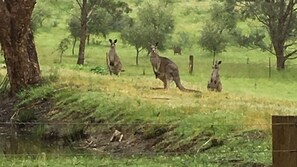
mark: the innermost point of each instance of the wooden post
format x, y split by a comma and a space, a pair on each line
191, 62
269, 64
284, 141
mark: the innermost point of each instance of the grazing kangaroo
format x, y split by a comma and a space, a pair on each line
215, 82
166, 70
112, 59
177, 50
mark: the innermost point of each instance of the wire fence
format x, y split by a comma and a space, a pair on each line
240, 145
203, 158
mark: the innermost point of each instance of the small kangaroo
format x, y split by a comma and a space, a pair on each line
166, 70
215, 83
177, 50
112, 59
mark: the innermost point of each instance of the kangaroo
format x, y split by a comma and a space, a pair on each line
166, 70
177, 50
215, 83
112, 59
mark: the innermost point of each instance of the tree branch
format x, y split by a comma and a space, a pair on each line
79, 4
92, 8
290, 44
292, 58
288, 56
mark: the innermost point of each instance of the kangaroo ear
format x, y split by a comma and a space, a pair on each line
110, 40
220, 62
157, 43
115, 41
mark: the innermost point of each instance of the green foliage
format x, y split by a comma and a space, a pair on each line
212, 39
63, 46
26, 116
184, 40
224, 17
103, 17
99, 70
57, 160
256, 39
278, 18
4, 84
159, 22
74, 27
214, 34
52, 75
136, 36
100, 22
99, 96
40, 14
38, 93
154, 23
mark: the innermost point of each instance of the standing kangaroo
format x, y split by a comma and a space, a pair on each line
215, 82
166, 70
112, 59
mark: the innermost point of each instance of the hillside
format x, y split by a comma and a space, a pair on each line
172, 127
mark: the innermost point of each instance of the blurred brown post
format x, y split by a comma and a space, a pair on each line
284, 137
269, 64
191, 62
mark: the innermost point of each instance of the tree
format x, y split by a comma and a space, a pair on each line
212, 39
83, 31
87, 7
63, 46
135, 36
279, 18
215, 33
153, 24
17, 43
74, 28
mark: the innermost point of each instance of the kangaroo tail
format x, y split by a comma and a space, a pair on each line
176, 79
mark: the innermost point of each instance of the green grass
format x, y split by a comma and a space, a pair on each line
97, 160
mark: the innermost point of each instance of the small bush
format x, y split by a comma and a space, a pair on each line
99, 70
26, 116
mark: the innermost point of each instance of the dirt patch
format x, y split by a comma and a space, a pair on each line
7, 105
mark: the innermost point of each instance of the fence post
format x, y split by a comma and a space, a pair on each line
284, 141
191, 62
269, 64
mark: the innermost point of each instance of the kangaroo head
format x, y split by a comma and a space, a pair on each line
217, 64
112, 52
154, 48
112, 44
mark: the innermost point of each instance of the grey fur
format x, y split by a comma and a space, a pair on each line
166, 70
214, 84
112, 59
177, 50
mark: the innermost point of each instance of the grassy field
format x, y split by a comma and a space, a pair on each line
243, 109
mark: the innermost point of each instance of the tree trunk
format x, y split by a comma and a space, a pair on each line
83, 33
280, 63
137, 56
17, 43
280, 55
73, 47
214, 57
